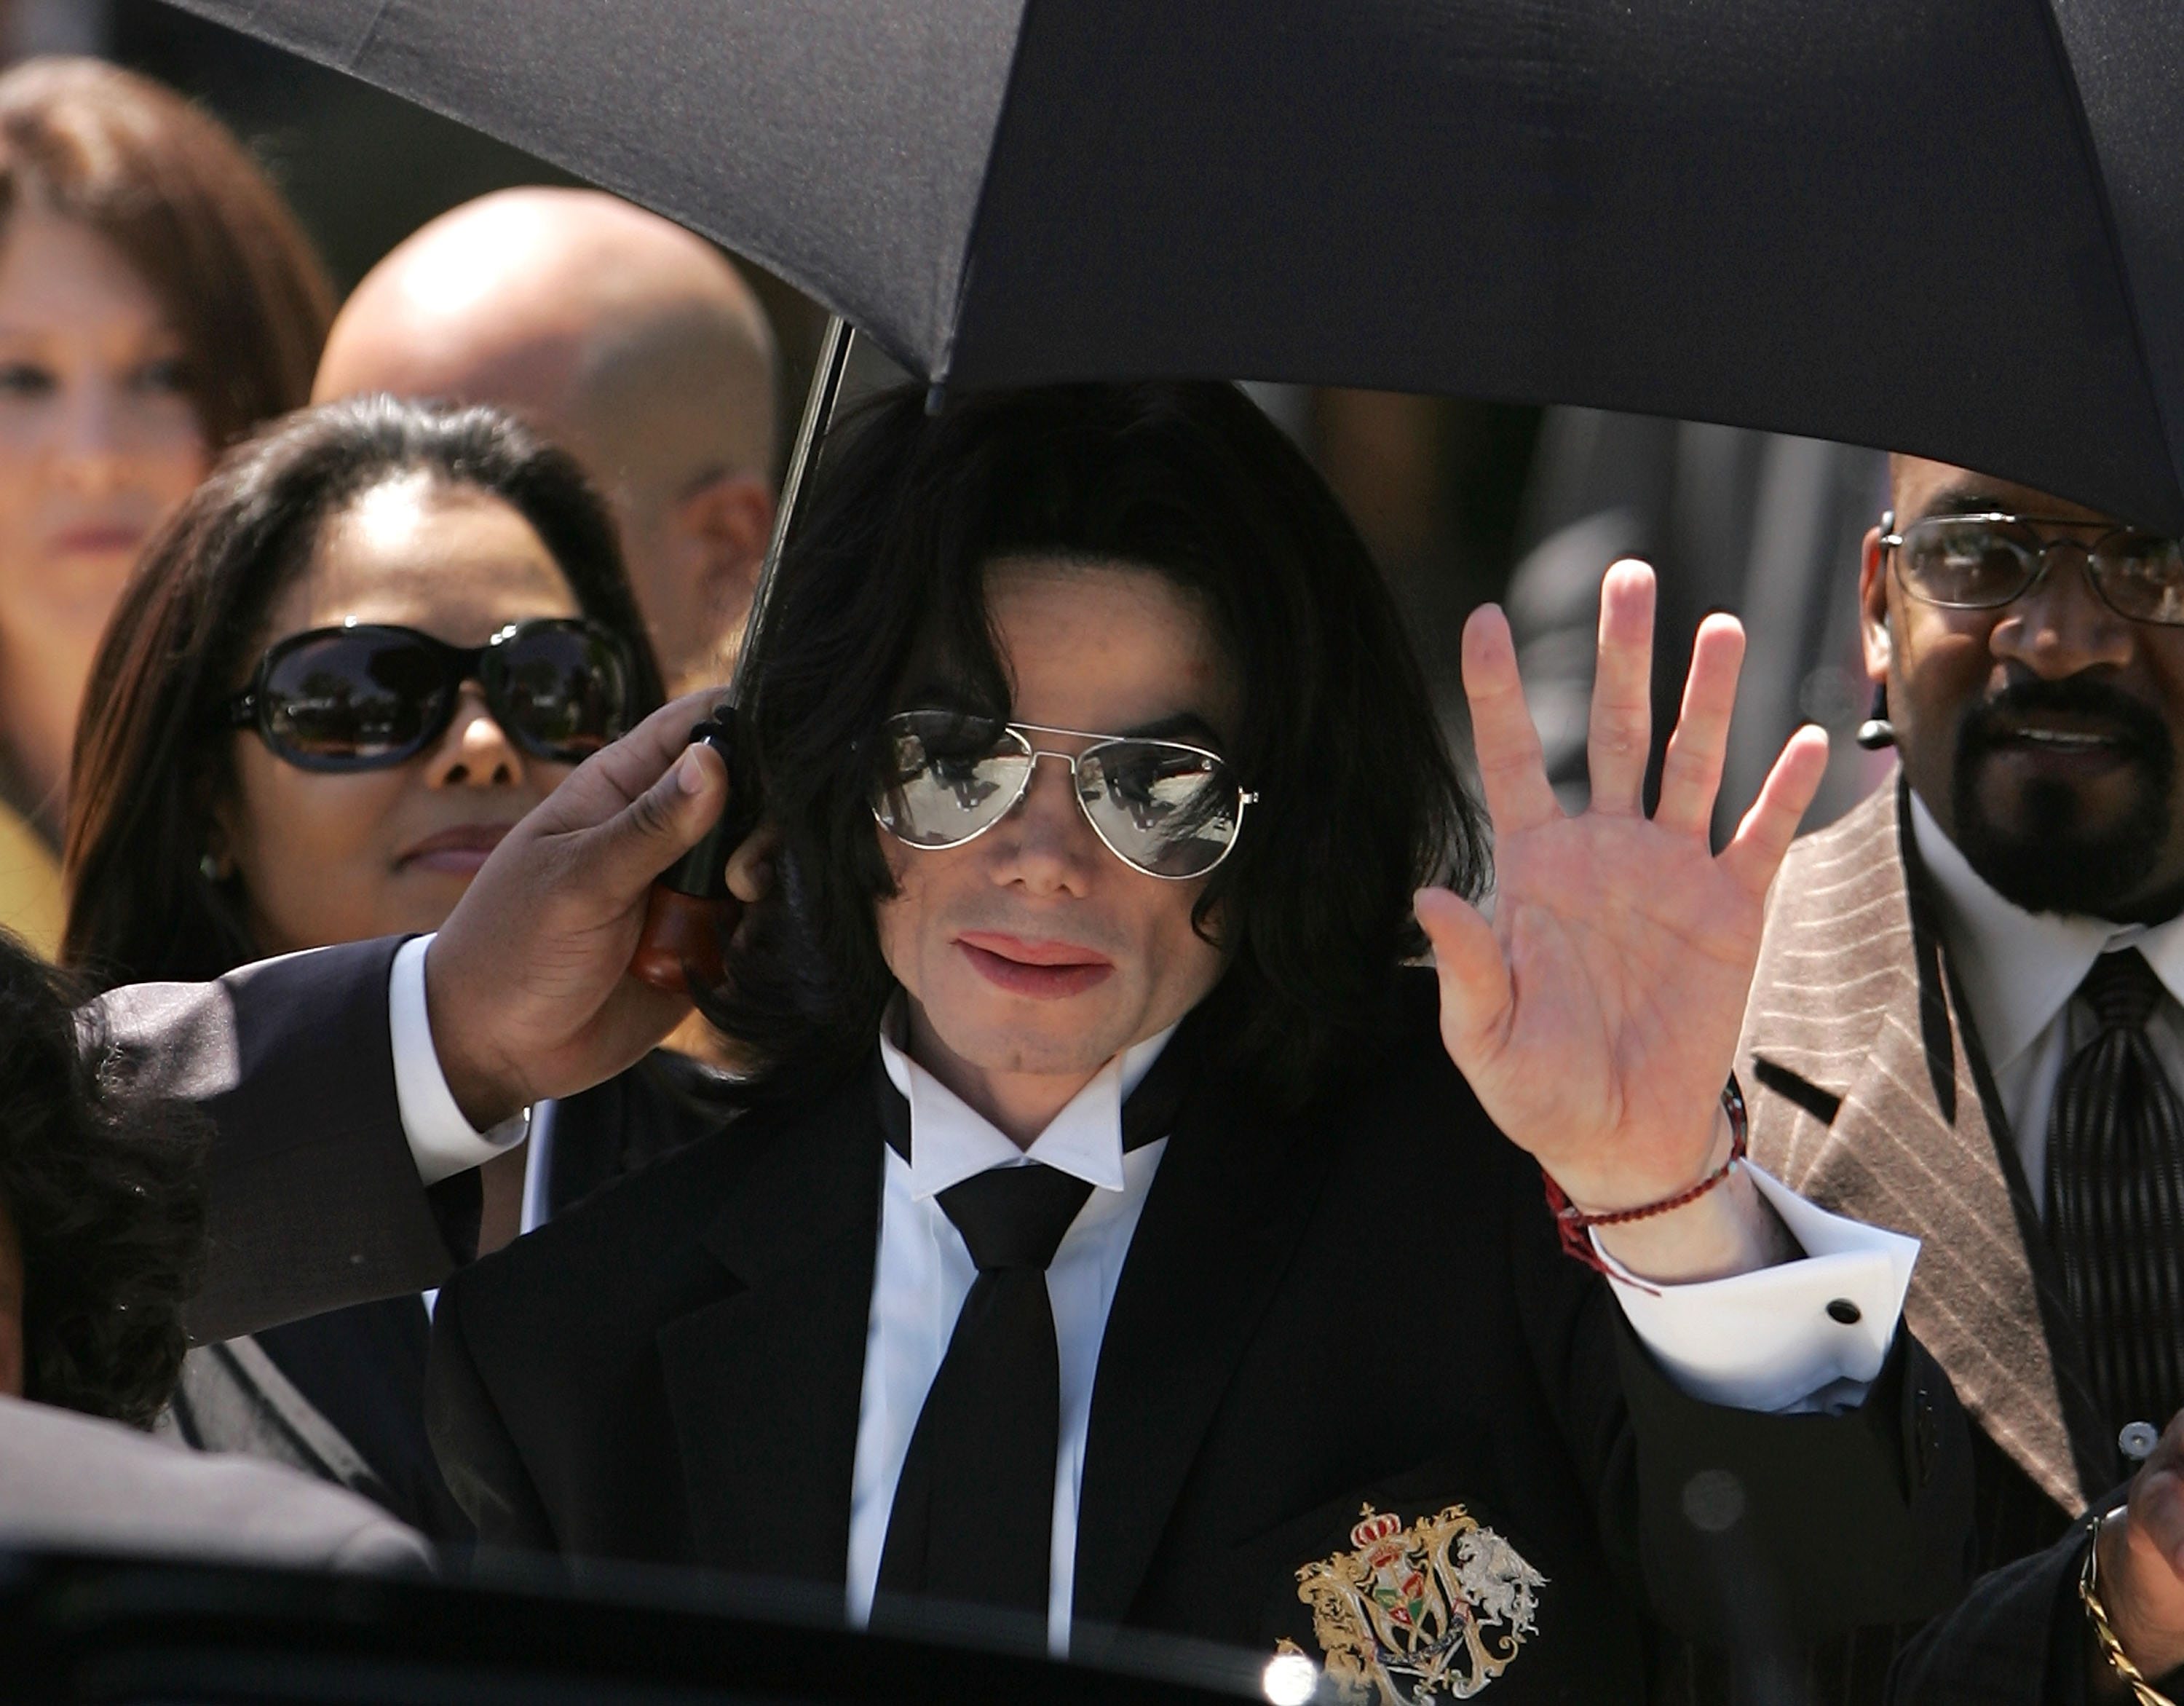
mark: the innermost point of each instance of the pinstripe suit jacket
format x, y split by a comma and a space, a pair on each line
1869, 1094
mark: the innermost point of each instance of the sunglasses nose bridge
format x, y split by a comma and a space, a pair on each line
1068, 761
2052, 562
473, 742
1071, 761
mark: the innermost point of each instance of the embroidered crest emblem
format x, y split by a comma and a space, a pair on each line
1414, 1616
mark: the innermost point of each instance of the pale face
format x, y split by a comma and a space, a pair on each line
98, 445
339, 858
2041, 735
1032, 955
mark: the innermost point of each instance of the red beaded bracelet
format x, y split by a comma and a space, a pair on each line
1572, 1224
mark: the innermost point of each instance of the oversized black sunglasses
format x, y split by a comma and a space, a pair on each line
365, 696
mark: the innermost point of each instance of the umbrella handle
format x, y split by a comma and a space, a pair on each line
692, 914
680, 950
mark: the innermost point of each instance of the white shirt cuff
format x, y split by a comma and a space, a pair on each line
1809, 1335
442, 1141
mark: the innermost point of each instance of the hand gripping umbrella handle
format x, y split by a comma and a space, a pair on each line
692, 914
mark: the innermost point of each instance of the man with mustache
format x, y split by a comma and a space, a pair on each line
1964, 1022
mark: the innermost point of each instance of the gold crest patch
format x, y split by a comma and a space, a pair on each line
1414, 1616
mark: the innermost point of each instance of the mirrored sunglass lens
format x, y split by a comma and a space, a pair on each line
352, 697
2142, 575
1968, 563
564, 689
943, 777
1165, 809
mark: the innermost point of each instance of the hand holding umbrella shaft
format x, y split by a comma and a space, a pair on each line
527, 982
1596, 1015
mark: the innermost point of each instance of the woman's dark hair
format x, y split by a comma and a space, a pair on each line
100, 1185
191, 213
152, 752
1358, 804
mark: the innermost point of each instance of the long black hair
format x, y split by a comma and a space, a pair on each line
101, 1189
1359, 801
152, 754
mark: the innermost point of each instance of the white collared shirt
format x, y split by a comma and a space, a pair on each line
924, 1272
1764, 1340
2019, 970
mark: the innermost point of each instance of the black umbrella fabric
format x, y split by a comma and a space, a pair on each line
1953, 226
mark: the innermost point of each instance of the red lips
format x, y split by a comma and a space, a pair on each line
1042, 970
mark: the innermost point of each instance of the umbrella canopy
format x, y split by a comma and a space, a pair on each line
1953, 227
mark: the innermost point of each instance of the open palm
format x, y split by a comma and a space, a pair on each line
1596, 1014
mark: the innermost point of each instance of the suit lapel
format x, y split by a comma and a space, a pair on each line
1853, 1006
764, 1386
1227, 1207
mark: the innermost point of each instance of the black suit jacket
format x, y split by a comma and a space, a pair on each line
1363, 1306
313, 1201
340, 1395
2020, 1638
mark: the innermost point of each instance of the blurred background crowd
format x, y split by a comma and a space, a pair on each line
1462, 501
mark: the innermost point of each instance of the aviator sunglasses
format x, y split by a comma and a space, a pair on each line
366, 697
1163, 807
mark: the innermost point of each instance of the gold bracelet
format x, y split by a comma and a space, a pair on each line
2089, 1593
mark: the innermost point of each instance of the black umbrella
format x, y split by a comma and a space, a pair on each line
1949, 225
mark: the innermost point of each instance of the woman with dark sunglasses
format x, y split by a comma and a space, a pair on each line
373, 638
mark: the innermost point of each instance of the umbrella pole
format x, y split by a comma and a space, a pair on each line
692, 913
818, 413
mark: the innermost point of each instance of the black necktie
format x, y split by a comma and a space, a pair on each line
974, 1515
2115, 1197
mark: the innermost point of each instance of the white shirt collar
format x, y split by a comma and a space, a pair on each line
2019, 969
949, 1140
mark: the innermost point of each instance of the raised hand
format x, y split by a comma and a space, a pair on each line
1596, 1015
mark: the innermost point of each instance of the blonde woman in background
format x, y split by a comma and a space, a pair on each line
157, 301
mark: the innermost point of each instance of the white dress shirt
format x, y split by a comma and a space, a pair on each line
2020, 971
924, 1272
1764, 1340
442, 1142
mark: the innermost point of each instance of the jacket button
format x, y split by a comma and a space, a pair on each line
1714, 1501
2137, 1440
1843, 1310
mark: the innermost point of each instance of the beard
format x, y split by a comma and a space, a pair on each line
2058, 862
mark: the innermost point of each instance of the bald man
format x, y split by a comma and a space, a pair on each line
624, 337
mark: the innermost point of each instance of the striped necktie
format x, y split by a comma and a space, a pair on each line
2115, 1197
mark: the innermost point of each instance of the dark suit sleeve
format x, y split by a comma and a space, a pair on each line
477, 1453
1752, 1525
1751, 1532
313, 1199
2019, 1639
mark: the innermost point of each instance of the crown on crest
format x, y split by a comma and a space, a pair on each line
1376, 1525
